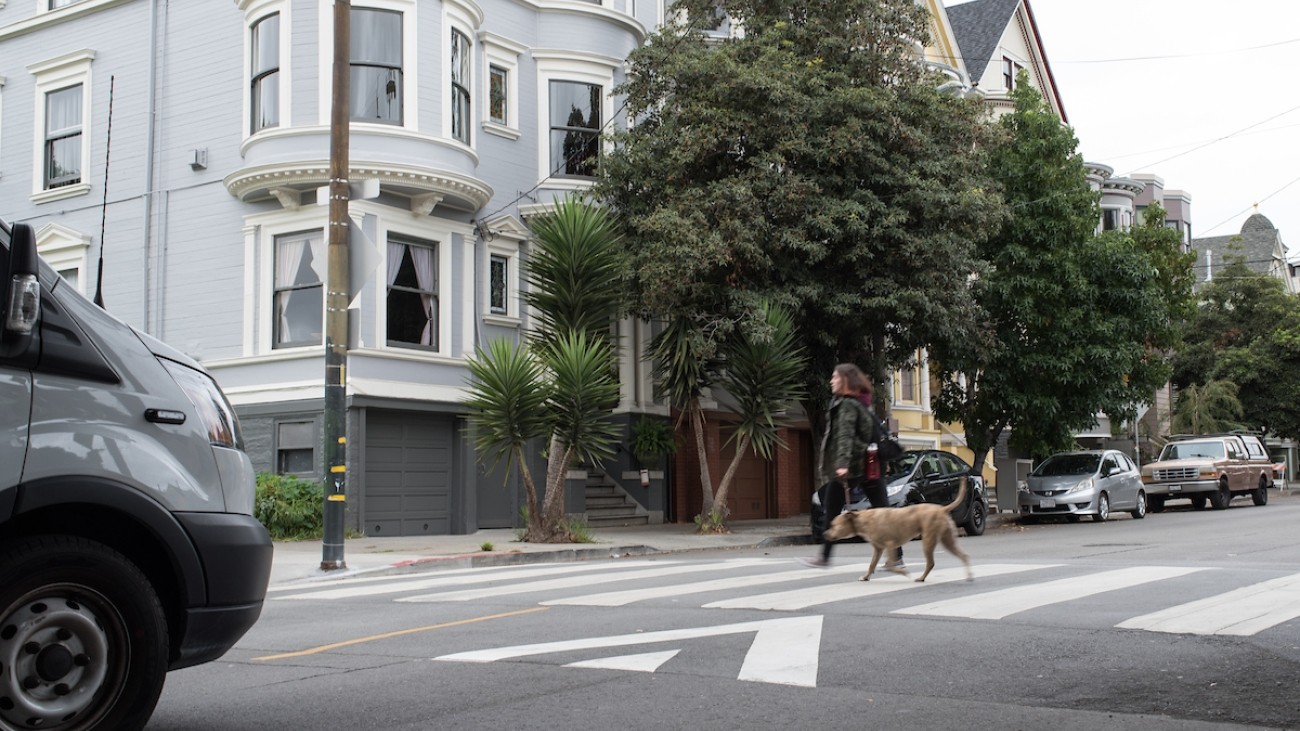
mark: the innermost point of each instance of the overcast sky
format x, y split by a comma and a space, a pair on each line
1204, 94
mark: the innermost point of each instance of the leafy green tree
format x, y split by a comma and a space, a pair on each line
1076, 321
811, 163
562, 384
1213, 407
1247, 331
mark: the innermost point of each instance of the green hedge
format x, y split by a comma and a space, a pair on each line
290, 507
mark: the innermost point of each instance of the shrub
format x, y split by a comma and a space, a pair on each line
290, 507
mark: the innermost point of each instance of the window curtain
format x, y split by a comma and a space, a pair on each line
288, 259
424, 275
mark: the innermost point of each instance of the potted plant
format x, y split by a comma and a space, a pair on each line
652, 439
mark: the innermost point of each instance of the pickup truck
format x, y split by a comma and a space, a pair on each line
1209, 467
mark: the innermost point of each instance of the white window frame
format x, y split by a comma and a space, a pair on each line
52, 75
410, 75
465, 19
447, 306
439, 297
65, 249
255, 12
504, 54
260, 232
509, 248
585, 68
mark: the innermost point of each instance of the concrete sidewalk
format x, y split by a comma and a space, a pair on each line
300, 561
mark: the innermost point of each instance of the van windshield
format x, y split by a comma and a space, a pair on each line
1067, 464
1193, 450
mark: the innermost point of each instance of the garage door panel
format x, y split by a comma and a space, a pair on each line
408, 473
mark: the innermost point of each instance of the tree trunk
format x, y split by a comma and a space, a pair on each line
720, 500
706, 482
530, 490
549, 524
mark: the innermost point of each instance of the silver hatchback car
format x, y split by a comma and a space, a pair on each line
1094, 482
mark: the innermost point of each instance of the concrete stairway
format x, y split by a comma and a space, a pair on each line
608, 506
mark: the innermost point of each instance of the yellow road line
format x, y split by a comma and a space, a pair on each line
398, 633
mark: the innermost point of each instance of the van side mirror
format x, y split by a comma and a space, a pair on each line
23, 290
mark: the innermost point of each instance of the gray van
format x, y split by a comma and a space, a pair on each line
128, 547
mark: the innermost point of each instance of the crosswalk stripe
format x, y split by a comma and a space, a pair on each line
880, 584
1241, 612
621, 598
585, 581
461, 579
1000, 603
305, 584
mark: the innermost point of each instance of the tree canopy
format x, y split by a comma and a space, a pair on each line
810, 162
1247, 332
1077, 323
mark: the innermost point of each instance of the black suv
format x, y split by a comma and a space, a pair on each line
923, 476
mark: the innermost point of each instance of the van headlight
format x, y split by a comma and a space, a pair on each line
210, 405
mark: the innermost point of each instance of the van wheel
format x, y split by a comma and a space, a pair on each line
1103, 509
83, 639
1260, 494
1198, 502
1140, 510
1219, 498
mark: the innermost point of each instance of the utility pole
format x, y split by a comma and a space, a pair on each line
336, 298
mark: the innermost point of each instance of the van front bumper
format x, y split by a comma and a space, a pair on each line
1174, 489
236, 554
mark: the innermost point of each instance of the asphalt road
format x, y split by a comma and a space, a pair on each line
1184, 620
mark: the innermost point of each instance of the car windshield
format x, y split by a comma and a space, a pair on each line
1067, 464
1193, 450
902, 466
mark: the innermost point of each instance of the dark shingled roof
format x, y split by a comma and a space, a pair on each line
978, 26
1257, 243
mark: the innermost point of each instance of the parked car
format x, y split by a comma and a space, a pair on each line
924, 476
1092, 482
1211, 468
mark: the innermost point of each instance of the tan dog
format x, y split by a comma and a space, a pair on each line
888, 528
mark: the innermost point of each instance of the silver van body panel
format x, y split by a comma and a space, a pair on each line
15, 406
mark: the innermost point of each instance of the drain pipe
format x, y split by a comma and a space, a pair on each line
148, 167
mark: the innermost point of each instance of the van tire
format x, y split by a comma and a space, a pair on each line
98, 654
1220, 498
1259, 495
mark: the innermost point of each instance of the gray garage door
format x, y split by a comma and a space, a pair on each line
408, 474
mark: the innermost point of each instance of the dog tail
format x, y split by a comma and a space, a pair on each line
961, 495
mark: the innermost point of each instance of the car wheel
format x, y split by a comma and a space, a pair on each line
975, 524
1260, 494
1198, 502
1156, 503
1220, 498
1140, 510
1103, 509
83, 639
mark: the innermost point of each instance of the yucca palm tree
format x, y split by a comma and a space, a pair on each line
760, 365
575, 276
1213, 407
508, 394
765, 375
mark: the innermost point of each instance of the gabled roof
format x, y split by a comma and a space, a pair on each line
979, 25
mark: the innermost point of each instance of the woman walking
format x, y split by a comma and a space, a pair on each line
847, 460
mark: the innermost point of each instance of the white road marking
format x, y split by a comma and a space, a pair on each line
398, 584
621, 598
784, 651
644, 663
881, 583
1241, 612
998, 604
582, 581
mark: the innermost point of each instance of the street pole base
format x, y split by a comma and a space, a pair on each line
333, 565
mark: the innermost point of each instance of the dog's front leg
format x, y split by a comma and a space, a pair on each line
875, 558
